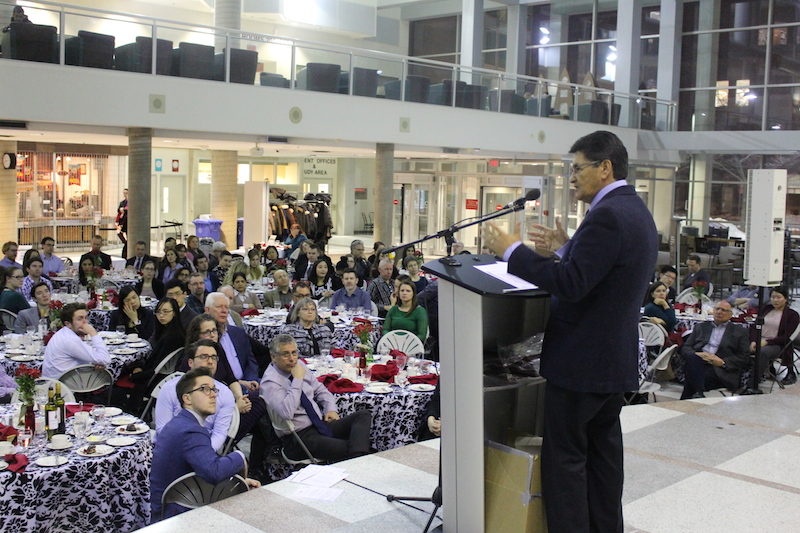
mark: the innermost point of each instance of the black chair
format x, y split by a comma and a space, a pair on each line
532, 107
365, 82
442, 93
322, 77
89, 49
243, 66
595, 111
31, 42
138, 56
510, 101
417, 88
192, 60
270, 79
472, 96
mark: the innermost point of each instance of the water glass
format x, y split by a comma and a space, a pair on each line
120, 331
401, 379
31, 331
80, 428
276, 305
24, 437
98, 412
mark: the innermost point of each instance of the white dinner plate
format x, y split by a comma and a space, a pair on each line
22, 358
100, 450
122, 420
121, 441
51, 446
140, 428
422, 387
12, 351
124, 351
114, 341
378, 389
95, 439
137, 344
113, 411
51, 460
3, 465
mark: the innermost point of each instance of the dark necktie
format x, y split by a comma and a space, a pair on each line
321, 426
138, 265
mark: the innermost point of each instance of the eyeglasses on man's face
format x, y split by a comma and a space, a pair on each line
205, 389
287, 354
723, 310
206, 357
576, 169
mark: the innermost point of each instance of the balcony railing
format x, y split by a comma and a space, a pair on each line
96, 38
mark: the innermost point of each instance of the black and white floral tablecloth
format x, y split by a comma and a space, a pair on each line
342, 334
87, 494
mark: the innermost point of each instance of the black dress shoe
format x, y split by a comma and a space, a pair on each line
790, 379
698, 395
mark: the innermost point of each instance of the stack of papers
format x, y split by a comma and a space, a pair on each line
317, 482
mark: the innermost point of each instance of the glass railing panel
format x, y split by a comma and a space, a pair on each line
430, 83
372, 73
36, 38
317, 69
189, 53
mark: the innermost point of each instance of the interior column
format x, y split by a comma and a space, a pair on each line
224, 192
227, 14
629, 47
8, 196
472, 33
140, 146
384, 180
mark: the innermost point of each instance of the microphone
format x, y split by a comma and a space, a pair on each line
531, 195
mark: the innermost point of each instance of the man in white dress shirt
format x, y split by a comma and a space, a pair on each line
67, 350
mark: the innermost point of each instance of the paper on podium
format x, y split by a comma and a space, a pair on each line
499, 270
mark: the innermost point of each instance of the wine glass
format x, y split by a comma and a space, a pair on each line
98, 412
401, 379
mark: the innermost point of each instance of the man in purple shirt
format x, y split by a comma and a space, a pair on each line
10, 255
52, 263
350, 295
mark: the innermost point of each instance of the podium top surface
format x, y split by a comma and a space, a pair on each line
465, 275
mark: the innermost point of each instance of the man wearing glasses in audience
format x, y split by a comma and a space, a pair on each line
140, 257
176, 290
295, 394
234, 342
196, 301
10, 255
185, 446
715, 354
52, 263
597, 283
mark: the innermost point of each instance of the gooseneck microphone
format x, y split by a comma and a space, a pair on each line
531, 195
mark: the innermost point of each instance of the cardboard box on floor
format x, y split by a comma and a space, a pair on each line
513, 490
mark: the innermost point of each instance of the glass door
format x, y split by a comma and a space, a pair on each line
496, 198
397, 216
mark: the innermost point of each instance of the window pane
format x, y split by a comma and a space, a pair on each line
723, 109
548, 62
605, 71
691, 16
651, 20
785, 55
689, 61
539, 31
648, 66
784, 108
495, 29
741, 14
739, 56
786, 11
606, 25
433, 36
495, 60
435, 74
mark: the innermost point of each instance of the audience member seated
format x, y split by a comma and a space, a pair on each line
193, 250
52, 263
429, 299
177, 290
269, 259
376, 267
150, 285
234, 342
17, 16
411, 267
458, 249
196, 301
296, 236
236, 267
234, 318
9, 259
323, 281
242, 298
225, 260
67, 350
362, 266
184, 444
39, 293
210, 280
216, 252
34, 276
281, 293
10, 297
86, 273
780, 321
131, 314
432, 422
406, 314
101, 259
296, 395
33, 252
304, 327
657, 309
715, 354
695, 274
747, 297
350, 295
183, 260
254, 271
140, 258
667, 276
303, 267
375, 257
382, 287
299, 252
168, 265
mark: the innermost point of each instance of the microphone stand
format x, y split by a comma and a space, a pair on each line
449, 233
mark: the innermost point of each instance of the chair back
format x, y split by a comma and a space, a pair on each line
651, 334
154, 394
67, 394
87, 378
402, 340
282, 426
192, 491
8, 319
662, 361
168, 364
233, 429
688, 296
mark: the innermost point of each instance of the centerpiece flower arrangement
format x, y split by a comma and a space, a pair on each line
362, 331
26, 381
699, 289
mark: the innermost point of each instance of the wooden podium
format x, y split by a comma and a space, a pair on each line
475, 315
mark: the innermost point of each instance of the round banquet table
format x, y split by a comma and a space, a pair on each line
11, 362
110, 493
265, 329
70, 284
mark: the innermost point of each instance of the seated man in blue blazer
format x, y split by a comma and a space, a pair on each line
184, 445
235, 342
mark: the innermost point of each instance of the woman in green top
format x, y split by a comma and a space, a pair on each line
406, 314
10, 299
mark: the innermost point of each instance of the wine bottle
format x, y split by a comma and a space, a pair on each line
50, 415
62, 415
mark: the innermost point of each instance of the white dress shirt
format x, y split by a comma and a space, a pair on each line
66, 350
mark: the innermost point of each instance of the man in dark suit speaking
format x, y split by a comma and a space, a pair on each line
590, 345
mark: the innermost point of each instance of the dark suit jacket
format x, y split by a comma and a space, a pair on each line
185, 446
690, 279
103, 260
144, 330
591, 339
734, 349
132, 260
158, 288
302, 263
186, 316
244, 353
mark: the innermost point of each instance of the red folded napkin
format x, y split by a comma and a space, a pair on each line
362, 320
91, 304
385, 372
72, 408
8, 433
16, 462
51, 274
396, 353
345, 385
249, 312
337, 352
741, 319
327, 379
679, 307
430, 379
